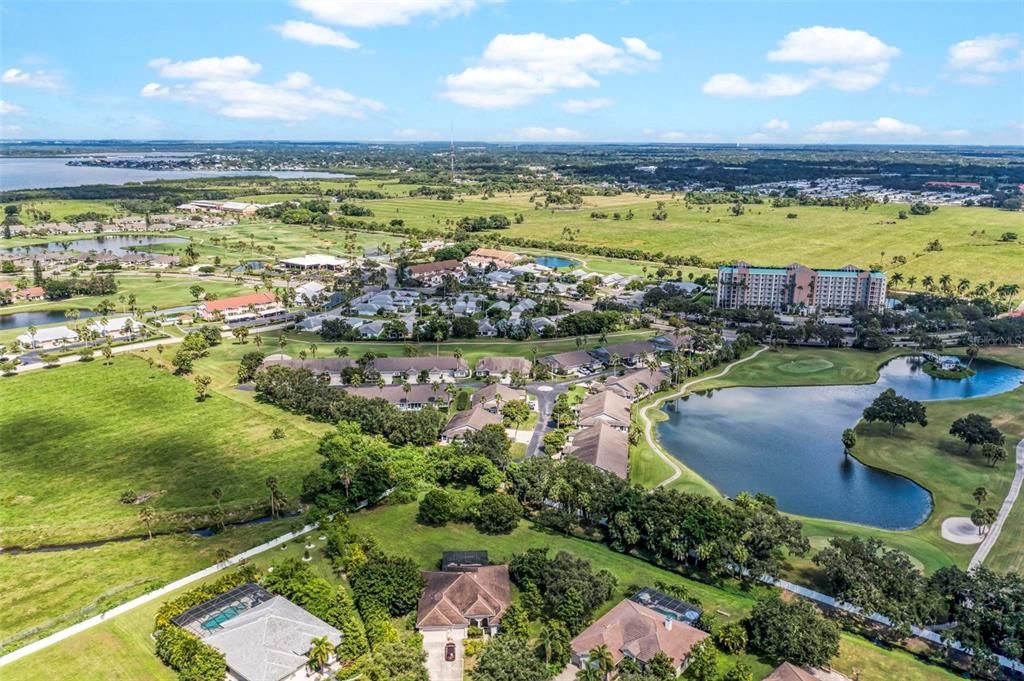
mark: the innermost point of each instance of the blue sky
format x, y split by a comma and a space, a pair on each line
892, 72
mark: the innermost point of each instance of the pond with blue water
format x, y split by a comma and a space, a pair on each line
554, 261
785, 442
23, 320
117, 245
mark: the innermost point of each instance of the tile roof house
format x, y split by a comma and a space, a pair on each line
790, 672
503, 366
631, 354
236, 308
482, 257
418, 396
637, 632
602, 446
607, 406
443, 369
626, 385
431, 273
457, 599
269, 642
491, 397
469, 421
570, 362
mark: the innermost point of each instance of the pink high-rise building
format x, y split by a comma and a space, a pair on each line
799, 288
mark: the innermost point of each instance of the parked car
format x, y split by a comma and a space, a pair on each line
449, 652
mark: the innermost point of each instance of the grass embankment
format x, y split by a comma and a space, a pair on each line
122, 649
74, 438
929, 456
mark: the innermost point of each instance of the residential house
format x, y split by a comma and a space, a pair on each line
48, 338
469, 421
483, 257
31, 293
463, 596
116, 328
415, 398
503, 367
373, 329
635, 631
332, 366
575, 362
648, 382
635, 354
310, 293
604, 446
606, 406
441, 369
263, 637
491, 397
433, 273
239, 308
485, 328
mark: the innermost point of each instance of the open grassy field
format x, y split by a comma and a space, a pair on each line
60, 209
93, 431
819, 236
52, 590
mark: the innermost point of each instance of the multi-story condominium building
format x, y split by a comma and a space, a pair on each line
799, 287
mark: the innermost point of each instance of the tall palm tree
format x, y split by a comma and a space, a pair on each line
911, 281
272, 485
319, 655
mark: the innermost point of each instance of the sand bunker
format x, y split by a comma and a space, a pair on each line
961, 530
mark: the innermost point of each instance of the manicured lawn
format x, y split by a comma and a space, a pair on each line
60, 209
76, 437
805, 366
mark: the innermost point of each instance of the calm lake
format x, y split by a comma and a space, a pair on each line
22, 320
116, 245
785, 442
554, 261
41, 173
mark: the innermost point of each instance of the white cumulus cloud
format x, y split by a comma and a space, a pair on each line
640, 49
315, 34
515, 69
829, 45
979, 60
842, 59
776, 124
44, 80
10, 108
882, 127
540, 134
586, 105
371, 13
207, 67
222, 85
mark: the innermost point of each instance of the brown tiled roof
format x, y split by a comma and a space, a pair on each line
333, 365
790, 672
608, 404
640, 631
496, 365
474, 419
624, 385
418, 364
430, 267
419, 393
222, 304
454, 598
569, 360
488, 394
603, 446
494, 254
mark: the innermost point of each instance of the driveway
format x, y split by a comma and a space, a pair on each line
434, 643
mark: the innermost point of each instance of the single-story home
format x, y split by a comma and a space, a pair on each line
603, 446
482, 257
632, 354
577, 362
491, 397
635, 631
464, 596
314, 262
503, 367
415, 398
48, 338
432, 273
263, 637
469, 421
606, 406
442, 369
649, 382
310, 293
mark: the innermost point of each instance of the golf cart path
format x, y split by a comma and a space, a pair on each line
1011, 497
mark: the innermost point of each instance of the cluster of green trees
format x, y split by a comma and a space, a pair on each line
303, 392
195, 345
481, 223
747, 538
896, 410
985, 610
96, 285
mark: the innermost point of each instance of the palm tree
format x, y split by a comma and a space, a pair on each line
458, 353
911, 281
146, 515
946, 283
963, 286
257, 340
319, 655
271, 483
972, 352
312, 349
928, 282
895, 279
980, 494
601, 658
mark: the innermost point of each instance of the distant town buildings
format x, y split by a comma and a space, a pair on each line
799, 287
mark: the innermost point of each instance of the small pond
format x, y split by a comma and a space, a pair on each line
785, 442
554, 261
117, 245
21, 320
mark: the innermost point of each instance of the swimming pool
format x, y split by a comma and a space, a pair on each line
215, 621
